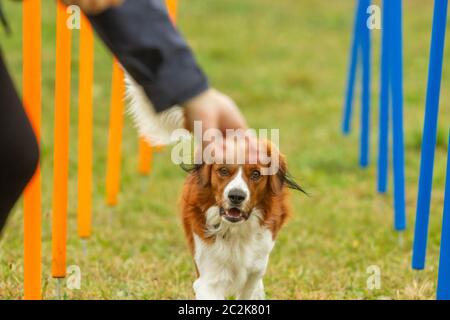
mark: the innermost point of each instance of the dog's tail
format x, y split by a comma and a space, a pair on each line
156, 128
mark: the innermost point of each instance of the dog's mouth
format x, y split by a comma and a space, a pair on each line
233, 214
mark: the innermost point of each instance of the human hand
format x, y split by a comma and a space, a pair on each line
93, 6
214, 110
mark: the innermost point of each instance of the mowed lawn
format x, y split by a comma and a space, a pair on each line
285, 63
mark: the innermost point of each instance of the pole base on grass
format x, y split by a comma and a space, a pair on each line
59, 285
84, 247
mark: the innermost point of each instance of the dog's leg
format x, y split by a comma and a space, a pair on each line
259, 293
253, 288
207, 290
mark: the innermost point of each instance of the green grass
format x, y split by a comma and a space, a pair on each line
285, 63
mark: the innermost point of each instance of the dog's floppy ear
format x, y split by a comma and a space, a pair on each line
289, 182
276, 180
203, 172
283, 179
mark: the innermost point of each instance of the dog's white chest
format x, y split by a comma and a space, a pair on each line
235, 263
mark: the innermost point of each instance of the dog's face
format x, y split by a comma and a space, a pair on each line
239, 189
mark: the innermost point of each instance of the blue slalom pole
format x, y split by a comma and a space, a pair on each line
365, 96
396, 67
429, 133
383, 142
443, 287
348, 106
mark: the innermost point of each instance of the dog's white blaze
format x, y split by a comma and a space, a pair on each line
237, 182
236, 261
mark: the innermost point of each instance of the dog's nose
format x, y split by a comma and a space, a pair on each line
236, 196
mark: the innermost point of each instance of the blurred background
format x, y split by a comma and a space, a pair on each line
285, 64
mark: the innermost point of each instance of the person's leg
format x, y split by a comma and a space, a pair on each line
19, 151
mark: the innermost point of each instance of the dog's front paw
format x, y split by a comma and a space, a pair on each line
253, 293
206, 291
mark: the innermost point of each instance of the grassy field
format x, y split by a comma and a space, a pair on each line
285, 64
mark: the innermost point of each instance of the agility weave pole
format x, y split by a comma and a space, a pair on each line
145, 149
32, 198
429, 133
85, 122
391, 99
115, 135
61, 143
32, 99
383, 139
361, 48
365, 95
396, 85
172, 9
353, 65
391, 93
391, 109
145, 157
443, 287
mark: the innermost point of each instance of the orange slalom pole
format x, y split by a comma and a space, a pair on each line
145, 157
31, 79
115, 135
172, 8
85, 121
61, 144
146, 150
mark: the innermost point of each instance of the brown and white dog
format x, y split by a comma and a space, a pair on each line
231, 216
231, 213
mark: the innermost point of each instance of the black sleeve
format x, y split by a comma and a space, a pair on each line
144, 40
18, 146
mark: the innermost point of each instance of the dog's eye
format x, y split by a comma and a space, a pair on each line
255, 175
224, 172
